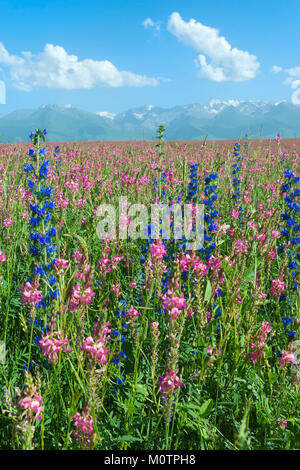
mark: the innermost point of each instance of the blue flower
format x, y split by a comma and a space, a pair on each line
287, 320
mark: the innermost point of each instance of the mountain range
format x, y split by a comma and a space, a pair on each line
217, 120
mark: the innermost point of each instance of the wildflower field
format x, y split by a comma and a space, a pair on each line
130, 344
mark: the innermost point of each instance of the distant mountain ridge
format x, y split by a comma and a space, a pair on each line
218, 120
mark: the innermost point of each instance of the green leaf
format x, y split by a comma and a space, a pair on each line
128, 439
208, 291
206, 408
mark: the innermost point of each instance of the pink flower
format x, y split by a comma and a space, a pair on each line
61, 263
262, 296
282, 422
116, 289
52, 344
275, 234
2, 256
169, 382
240, 247
96, 348
286, 357
85, 427
199, 268
158, 250
33, 404
173, 303
154, 325
235, 214
30, 294
80, 297
277, 287
258, 346
132, 312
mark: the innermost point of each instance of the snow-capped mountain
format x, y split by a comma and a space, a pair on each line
218, 119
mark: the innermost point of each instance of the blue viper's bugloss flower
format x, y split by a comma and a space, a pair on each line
42, 247
291, 219
28, 167
287, 320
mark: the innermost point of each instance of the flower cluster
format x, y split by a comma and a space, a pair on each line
210, 192
278, 286
2, 256
84, 427
31, 402
236, 181
96, 348
173, 304
52, 344
41, 246
291, 231
258, 346
169, 383
193, 184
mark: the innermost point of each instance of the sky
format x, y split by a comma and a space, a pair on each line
115, 55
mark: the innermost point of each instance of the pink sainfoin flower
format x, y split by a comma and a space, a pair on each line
184, 262
7, 222
173, 304
96, 348
240, 247
213, 354
275, 234
61, 263
80, 297
116, 289
271, 253
235, 214
133, 284
33, 405
107, 265
286, 357
158, 250
199, 268
258, 346
52, 344
2, 256
282, 422
169, 382
132, 313
277, 287
30, 294
154, 325
84, 427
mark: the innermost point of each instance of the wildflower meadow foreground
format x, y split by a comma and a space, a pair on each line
118, 335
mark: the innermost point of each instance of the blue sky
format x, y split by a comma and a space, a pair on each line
115, 55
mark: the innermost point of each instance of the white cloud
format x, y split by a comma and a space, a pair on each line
149, 23
276, 69
293, 76
227, 63
55, 68
296, 96
293, 80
